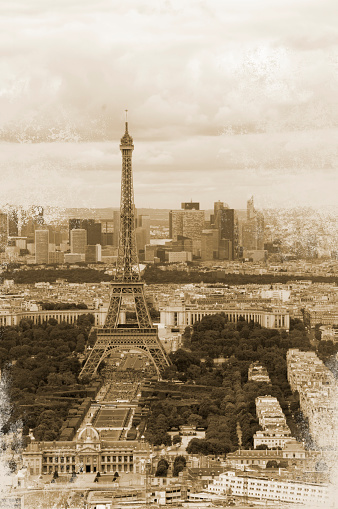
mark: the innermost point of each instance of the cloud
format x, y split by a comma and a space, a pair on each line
76, 66
214, 87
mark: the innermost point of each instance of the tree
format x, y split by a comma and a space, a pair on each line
272, 464
162, 468
177, 439
80, 343
179, 464
183, 359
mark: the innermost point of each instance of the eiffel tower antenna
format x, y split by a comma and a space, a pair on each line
115, 335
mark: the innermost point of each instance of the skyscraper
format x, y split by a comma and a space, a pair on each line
224, 220
253, 228
78, 241
93, 254
92, 228
187, 222
226, 228
209, 244
41, 246
107, 232
143, 221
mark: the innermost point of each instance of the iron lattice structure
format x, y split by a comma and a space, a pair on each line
140, 336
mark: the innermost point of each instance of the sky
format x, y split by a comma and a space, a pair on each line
226, 99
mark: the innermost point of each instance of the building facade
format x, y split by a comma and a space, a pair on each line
78, 241
41, 246
86, 453
10, 318
182, 315
318, 396
256, 487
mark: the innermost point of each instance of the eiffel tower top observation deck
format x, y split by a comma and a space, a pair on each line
127, 267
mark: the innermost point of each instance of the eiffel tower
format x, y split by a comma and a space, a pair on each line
141, 336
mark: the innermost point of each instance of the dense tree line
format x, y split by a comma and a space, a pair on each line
50, 275
155, 275
41, 360
226, 405
62, 306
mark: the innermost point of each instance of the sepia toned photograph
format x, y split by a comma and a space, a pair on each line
168, 254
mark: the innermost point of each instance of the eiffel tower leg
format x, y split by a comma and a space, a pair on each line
113, 315
142, 313
95, 357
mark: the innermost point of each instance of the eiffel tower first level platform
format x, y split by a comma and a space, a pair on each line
133, 291
109, 340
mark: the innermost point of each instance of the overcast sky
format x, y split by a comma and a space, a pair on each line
226, 99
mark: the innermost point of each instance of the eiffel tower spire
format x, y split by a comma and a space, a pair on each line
141, 335
127, 268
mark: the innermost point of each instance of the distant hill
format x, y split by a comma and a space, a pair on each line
157, 216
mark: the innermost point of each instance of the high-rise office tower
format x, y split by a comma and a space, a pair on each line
41, 246
92, 228
143, 221
253, 228
226, 228
93, 254
209, 244
187, 222
218, 205
140, 238
107, 232
224, 220
78, 241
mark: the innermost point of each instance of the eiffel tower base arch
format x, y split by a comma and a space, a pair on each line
144, 340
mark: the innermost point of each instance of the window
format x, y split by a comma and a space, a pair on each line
120, 459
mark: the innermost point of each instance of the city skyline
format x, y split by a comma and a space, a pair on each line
225, 100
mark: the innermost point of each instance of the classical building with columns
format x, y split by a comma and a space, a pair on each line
88, 453
181, 314
12, 318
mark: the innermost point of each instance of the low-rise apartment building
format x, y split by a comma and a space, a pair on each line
253, 486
